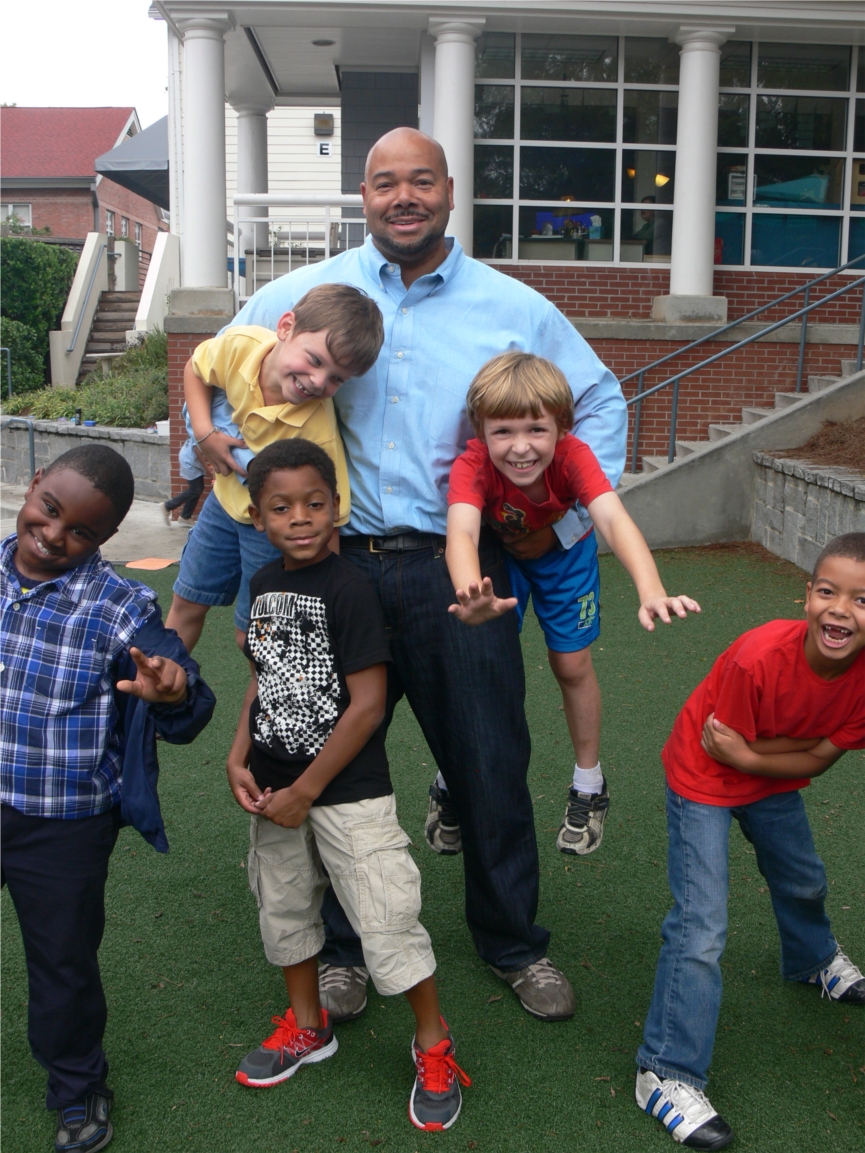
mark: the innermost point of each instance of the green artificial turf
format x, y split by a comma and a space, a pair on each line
189, 991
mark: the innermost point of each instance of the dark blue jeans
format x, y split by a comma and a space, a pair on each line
466, 687
56, 872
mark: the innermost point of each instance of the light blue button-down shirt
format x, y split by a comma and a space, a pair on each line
404, 422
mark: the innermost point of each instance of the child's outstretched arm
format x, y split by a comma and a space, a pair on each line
630, 548
246, 791
214, 446
477, 601
158, 680
777, 757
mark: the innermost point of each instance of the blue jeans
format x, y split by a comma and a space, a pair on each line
466, 687
680, 1027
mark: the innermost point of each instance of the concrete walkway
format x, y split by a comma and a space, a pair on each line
142, 534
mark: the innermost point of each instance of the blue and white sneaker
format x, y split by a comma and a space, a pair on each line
684, 1111
840, 981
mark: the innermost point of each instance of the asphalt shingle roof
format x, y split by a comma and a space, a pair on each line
57, 142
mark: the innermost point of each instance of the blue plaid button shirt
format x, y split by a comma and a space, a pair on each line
60, 755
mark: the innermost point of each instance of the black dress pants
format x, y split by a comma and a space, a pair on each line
56, 872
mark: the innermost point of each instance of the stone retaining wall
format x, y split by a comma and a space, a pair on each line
147, 453
800, 507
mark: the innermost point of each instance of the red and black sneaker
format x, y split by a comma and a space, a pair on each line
285, 1050
435, 1097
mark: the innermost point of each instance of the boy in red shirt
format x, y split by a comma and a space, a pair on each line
523, 473
781, 705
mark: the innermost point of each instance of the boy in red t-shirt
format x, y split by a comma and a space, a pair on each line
523, 473
781, 705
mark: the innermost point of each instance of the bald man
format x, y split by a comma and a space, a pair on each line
403, 424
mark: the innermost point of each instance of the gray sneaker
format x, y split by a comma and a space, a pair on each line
583, 827
542, 989
342, 991
442, 829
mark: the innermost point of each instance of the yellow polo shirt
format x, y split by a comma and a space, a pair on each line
233, 362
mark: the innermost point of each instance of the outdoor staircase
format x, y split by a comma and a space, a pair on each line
750, 416
114, 316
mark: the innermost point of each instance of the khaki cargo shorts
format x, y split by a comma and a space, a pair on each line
365, 853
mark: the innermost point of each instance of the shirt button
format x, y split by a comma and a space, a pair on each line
399, 356
16, 607
391, 445
390, 268
394, 400
404, 311
388, 489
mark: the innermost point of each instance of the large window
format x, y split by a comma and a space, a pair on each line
575, 150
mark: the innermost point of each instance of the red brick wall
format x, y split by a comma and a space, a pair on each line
135, 208
68, 212
581, 290
181, 346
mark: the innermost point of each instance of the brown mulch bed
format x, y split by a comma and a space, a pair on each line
840, 443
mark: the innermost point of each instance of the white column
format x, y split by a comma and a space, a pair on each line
252, 167
693, 250
204, 239
454, 109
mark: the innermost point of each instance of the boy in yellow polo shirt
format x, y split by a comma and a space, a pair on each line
278, 384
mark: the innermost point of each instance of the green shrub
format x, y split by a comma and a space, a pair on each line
36, 282
133, 395
28, 363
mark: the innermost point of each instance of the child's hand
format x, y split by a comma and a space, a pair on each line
480, 603
724, 744
216, 450
246, 791
159, 680
661, 606
287, 807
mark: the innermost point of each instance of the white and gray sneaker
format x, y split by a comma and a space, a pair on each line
840, 981
342, 991
583, 827
442, 827
684, 1111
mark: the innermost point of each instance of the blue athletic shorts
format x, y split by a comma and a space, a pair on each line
565, 587
219, 557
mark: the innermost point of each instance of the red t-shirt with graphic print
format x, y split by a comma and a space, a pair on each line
762, 686
572, 475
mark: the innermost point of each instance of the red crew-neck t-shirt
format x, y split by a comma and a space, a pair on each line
762, 686
572, 475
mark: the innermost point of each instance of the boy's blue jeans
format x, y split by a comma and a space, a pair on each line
679, 1035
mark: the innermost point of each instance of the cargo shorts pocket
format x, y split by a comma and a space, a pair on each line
388, 879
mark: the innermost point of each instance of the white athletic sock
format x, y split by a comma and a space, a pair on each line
589, 780
440, 783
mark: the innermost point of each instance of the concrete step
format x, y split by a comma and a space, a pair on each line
119, 297
106, 326
722, 431
818, 383
848, 367
689, 447
654, 463
787, 399
625, 479
753, 415
105, 346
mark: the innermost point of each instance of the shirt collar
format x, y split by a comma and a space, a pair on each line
376, 266
72, 582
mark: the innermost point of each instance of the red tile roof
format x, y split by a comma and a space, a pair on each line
57, 142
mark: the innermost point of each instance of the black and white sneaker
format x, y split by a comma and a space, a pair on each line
840, 981
583, 827
85, 1127
684, 1111
442, 828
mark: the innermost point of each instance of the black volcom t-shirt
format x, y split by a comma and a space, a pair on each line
309, 628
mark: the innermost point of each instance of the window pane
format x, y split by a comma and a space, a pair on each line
856, 242
795, 241
648, 174
654, 61
859, 124
798, 181
650, 117
811, 122
860, 71
566, 233
495, 55
646, 235
732, 180
729, 237
570, 58
494, 111
822, 66
568, 114
733, 121
857, 186
735, 64
494, 173
492, 237
572, 173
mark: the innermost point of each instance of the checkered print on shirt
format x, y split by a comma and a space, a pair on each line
59, 753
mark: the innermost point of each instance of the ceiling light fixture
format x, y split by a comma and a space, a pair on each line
660, 180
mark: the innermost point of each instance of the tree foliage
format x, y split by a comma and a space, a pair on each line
28, 363
36, 282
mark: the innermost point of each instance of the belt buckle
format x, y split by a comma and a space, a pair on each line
372, 547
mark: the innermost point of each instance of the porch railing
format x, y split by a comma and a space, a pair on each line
800, 314
274, 234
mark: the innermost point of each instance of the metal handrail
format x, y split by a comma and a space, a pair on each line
675, 380
23, 422
806, 288
96, 264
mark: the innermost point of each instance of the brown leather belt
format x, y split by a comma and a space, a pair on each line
399, 542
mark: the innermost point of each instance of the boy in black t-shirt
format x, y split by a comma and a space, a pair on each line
309, 764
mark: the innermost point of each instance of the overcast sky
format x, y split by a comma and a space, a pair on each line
87, 54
